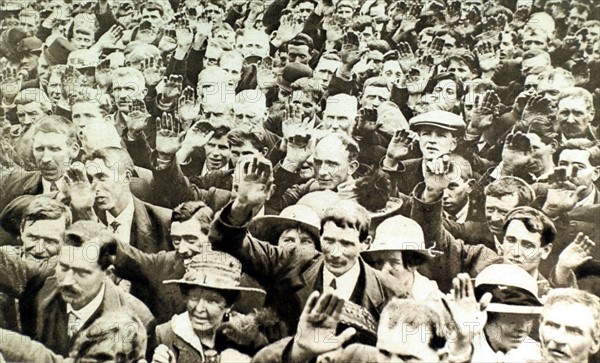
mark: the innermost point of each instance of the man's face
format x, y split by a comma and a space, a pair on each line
435, 142
392, 71
305, 102
42, 238
249, 113
444, 95
366, 36
497, 208
127, 89
29, 24
456, 195
255, 46
212, 56
541, 158
296, 237
303, 10
578, 161
110, 185
42, 66
298, 53
341, 248
522, 247
78, 275
30, 62
217, 112
531, 84
217, 153
52, 152
470, 4
574, 117
153, 16
374, 61
374, 96
214, 13
233, 66
404, 343
449, 42
567, 333
82, 40
424, 41
246, 149
535, 40
331, 163
85, 113
28, 114
345, 12
575, 20
461, 70
533, 66
325, 71
551, 89
509, 331
189, 238
507, 47
339, 117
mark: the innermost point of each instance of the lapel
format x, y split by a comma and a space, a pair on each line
110, 302
141, 227
373, 295
33, 184
182, 328
309, 280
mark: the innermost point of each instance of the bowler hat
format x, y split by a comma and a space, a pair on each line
58, 52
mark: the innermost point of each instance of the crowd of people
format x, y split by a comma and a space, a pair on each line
299, 180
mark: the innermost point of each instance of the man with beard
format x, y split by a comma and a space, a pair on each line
54, 147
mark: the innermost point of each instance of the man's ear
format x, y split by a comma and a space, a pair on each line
264, 151
128, 176
74, 152
596, 174
271, 191
366, 243
354, 164
471, 183
454, 143
546, 251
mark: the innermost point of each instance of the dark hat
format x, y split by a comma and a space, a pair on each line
30, 45
442, 119
58, 51
9, 40
291, 73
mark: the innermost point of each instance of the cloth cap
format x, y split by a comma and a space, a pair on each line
30, 45
291, 73
442, 119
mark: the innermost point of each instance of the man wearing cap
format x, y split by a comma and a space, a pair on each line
438, 132
288, 274
85, 61
511, 313
398, 250
30, 50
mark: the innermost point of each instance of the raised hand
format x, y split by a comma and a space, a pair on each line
183, 33
319, 319
489, 58
436, 50
406, 56
168, 136
137, 119
517, 152
398, 147
538, 106
153, 70
437, 175
266, 77
562, 194
419, 75
299, 147
188, 107
350, 53
576, 253
487, 109
454, 12
11, 82
253, 179
469, 315
409, 22
289, 27
77, 191
110, 38
172, 88
168, 41
197, 136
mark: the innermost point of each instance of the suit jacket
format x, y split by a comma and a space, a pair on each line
220, 179
288, 275
407, 176
51, 325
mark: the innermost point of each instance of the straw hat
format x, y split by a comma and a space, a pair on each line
269, 228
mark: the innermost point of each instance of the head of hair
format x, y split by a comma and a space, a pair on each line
153, 6
112, 156
535, 222
123, 72
592, 148
54, 124
379, 82
193, 209
221, 44
302, 39
463, 56
533, 53
103, 103
348, 214
124, 332
360, 23
83, 232
552, 74
576, 297
510, 185
480, 86
349, 144
240, 134
406, 313
219, 3
378, 45
310, 87
231, 55
373, 190
137, 51
45, 208
31, 95
538, 125
578, 92
443, 77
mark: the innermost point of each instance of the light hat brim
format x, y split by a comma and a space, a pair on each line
514, 309
435, 124
212, 286
429, 253
269, 228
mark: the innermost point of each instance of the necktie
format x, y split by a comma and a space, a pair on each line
73, 324
333, 284
115, 225
53, 187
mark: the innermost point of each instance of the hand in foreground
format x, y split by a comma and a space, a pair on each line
169, 136
253, 184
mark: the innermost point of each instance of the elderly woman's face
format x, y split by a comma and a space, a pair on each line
206, 308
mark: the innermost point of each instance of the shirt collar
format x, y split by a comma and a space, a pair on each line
206, 171
47, 185
126, 215
346, 282
589, 200
85, 313
461, 216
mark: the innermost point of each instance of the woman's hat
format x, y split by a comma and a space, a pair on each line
215, 270
513, 289
269, 228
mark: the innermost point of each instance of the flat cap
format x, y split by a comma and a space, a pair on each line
442, 119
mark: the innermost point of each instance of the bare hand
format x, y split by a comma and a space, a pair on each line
400, 145
78, 192
137, 119
469, 314
196, 137
254, 179
172, 88
153, 71
188, 107
168, 136
162, 354
576, 253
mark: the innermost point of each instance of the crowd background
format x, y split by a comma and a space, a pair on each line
297, 180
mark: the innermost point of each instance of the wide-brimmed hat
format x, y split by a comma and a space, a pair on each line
320, 201
269, 228
513, 289
399, 233
215, 270
58, 52
83, 58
